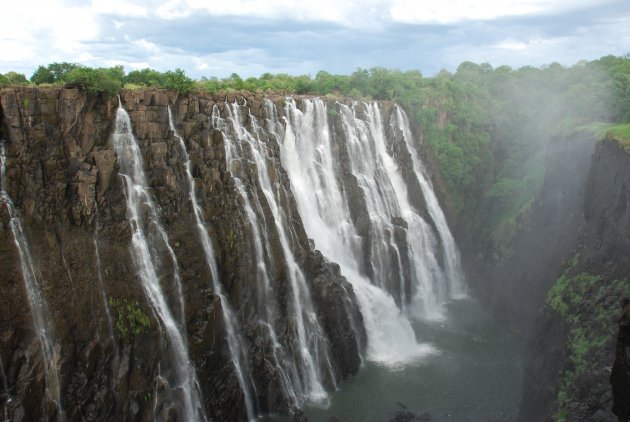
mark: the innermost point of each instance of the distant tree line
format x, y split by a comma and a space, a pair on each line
102, 80
487, 127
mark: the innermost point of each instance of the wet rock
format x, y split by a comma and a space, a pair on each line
158, 154
620, 375
104, 161
400, 222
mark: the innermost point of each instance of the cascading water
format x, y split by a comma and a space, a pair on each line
65, 264
452, 261
303, 373
148, 237
307, 156
283, 364
387, 199
237, 351
33, 283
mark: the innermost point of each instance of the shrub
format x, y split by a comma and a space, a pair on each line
130, 318
106, 81
178, 81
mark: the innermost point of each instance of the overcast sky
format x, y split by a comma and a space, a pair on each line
250, 37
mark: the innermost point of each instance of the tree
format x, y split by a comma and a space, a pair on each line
14, 78
43, 75
146, 77
53, 73
106, 81
178, 81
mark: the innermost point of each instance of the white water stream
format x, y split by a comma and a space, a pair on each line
237, 351
304, 361
34, 283
308, 158
148, 238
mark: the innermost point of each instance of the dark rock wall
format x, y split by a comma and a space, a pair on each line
597, 272
61, 173
543, 238
561, 280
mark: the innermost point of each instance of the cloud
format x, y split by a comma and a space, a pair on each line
118, 8
32, 30
455, 11
217, 38
350, 13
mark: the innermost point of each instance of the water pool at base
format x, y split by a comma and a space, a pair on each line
475, 375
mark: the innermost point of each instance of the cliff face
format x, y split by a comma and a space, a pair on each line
63, 177
156, 263
540, 240
584, 302
563, 278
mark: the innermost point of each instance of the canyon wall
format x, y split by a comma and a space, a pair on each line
155, 262
560, 279
574, 344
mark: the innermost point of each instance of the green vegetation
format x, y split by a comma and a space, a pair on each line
486, 127
130, 319
231, 238
145, 77
621, 135
178, 81
106, 81
582, 300
53, 73
13, 78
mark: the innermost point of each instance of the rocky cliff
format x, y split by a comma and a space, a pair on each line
561, 278
156, 262
582, 305
109, 344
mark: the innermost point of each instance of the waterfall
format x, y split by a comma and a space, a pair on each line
453, 269
283, 364
307, 156
237, 351
304, 362
387, 199
33, 282
148, 239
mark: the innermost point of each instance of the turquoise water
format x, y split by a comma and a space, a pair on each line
475, 375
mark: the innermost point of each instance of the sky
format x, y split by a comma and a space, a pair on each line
251, 37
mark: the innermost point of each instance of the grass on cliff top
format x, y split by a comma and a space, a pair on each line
567, 127
621, 135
